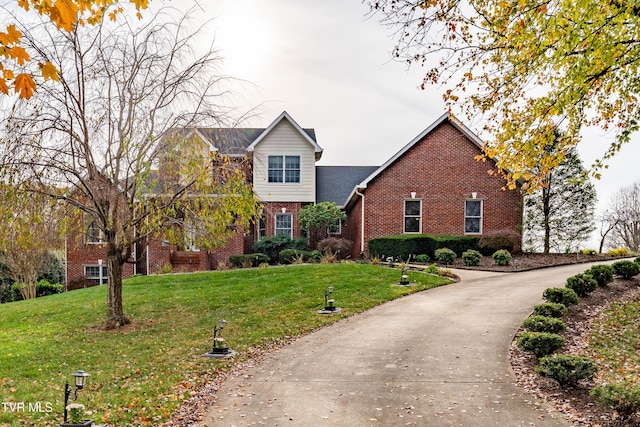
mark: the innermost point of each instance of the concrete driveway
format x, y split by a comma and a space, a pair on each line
435, 358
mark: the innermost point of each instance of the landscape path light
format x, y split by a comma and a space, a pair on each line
219, 349
329, 303
80, 379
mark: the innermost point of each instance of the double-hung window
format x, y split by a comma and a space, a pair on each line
93, 272
284, 225
412, 216
94, 234
335, 228
473, 217
284, 169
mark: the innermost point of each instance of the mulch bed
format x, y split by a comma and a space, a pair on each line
576, 403
530, 261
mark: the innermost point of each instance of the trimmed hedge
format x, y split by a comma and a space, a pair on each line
272, 246
560, 295
502, 257
550, 309
256, 259
582, 284
552, 325
566, 369
540, 343
471, 257
445, 256
602, 273
626, 269
402, 246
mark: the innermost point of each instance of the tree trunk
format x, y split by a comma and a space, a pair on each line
546, 211
115, 309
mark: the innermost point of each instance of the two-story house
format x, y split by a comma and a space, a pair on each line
433, 184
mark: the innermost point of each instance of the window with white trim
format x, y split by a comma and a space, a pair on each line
284, 169
412, 216
473, 217
92, 272
94, 234
335, 228
284, 225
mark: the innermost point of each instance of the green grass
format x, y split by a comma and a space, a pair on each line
139, 375
614, 343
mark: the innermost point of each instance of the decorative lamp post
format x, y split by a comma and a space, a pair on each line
219, 349
80, 382
329, 303
404, 277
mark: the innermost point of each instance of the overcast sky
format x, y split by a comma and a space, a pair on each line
328, 65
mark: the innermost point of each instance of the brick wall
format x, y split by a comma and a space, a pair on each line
443, 173
79, 254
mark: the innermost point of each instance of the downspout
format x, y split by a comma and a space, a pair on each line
361, 222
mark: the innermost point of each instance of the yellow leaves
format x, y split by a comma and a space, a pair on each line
49, 71
11, 36
3, 86
24, 85
64, 14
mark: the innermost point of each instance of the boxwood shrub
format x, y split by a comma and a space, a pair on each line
540, 343
272, 246
502, 257
626, 269
560, 295
550, 309
582, 284
471, 257
445, 256
544, 324
566, 369
602, 273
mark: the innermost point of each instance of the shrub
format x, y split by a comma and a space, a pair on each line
272, 246
503, 239
254, 259
471, 257
341, 248
402, 246
328, 258
566, 369
540, 343
588, 252
44, 288
165, 268
602, 273
626, 269
52, 269
544, 324
6, 294
637, 260
445, 256
624, 398
550, 309
432, 269
222, 265
293, 256
422, 258
560, 296
582, 284
502, 257
618, 252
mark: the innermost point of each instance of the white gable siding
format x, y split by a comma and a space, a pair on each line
284, 140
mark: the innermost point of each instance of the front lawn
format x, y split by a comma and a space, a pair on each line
140, 374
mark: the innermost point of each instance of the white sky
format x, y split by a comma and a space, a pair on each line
329, 66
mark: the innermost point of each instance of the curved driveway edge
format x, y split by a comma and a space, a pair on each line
434, 358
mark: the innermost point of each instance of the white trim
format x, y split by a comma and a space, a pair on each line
464, 225
404, 216
339, 227
275, 223
285, 116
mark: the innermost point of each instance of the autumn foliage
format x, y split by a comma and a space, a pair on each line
16, 69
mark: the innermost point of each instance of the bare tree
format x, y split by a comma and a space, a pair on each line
106, 130
608, 222
625, 206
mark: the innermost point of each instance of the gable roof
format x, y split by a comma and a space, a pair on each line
282, 117
335, 183
445, 117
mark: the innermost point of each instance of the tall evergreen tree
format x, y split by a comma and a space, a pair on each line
560, 215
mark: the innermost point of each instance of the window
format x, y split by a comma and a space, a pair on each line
284, 225
335, 228
412, 216
284, 169
94, 234
92, 272
262, 227
473, 217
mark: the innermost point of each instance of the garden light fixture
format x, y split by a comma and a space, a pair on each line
329, 303
80, 383
219, 349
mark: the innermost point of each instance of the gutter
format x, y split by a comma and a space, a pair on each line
361, 222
